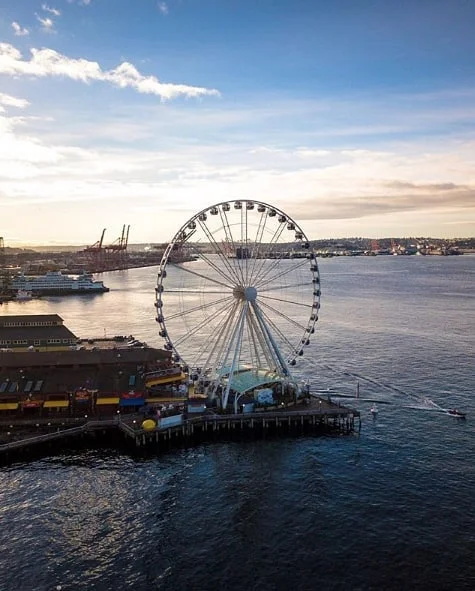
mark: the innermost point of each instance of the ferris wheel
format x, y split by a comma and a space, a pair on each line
238, 294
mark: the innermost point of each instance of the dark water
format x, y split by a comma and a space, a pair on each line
393, 508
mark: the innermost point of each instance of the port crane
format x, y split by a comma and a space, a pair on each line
107, 257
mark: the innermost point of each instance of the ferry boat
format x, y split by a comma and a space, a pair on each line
55, 283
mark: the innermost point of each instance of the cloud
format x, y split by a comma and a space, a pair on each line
191, 156
11, 101
54, 11
431, 187
163, 7
422, 198
48, 62
46, 23
20, 31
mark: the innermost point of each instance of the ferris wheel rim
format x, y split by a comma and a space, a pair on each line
181, 238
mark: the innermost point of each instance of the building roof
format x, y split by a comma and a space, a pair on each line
12, 333
45, 380
84, 357
30, 318
245, 380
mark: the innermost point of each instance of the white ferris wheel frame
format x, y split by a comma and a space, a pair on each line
244, 303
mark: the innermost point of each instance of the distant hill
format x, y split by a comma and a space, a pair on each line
334, 243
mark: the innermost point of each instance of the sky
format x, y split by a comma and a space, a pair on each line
355, 117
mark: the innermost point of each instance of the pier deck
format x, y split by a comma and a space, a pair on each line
320, 417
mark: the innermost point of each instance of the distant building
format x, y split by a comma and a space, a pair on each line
44, 332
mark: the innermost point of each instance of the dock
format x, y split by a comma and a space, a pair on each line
322, 418
341, 421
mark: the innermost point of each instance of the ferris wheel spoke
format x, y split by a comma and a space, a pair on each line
283, 338
269, 339
242, 260
252, 350
193, 291
235, 345
218, 250
282, 273
266, 275
261, 341
199, 307
284, 287
191, 332
206, 277
219, 270
271, 250
230, 240
221, 337
285, 301
251, 346
284, 316
212, 343
256, 249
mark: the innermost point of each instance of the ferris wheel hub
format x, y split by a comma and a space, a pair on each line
249, 294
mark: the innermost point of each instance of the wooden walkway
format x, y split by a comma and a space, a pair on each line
318, 418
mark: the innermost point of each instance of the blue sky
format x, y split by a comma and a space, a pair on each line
357, 118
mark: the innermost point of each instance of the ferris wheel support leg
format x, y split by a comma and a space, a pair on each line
221, 339
237, 349
269, 338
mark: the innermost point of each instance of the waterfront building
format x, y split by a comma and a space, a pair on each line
44, 371
76, 383
44, 332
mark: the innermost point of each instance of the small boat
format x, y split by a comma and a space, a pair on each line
453, 412
23, 295
373, 410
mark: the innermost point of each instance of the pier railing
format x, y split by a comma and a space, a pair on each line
315, 419
58, 434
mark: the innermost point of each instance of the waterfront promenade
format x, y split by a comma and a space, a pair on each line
24, 438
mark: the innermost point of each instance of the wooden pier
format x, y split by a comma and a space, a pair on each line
322, 418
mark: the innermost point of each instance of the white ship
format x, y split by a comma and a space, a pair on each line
55, 283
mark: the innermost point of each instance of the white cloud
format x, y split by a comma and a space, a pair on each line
11, 101
46, 23
48, 62
51, 10
163, 7
20, 31
178, 158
